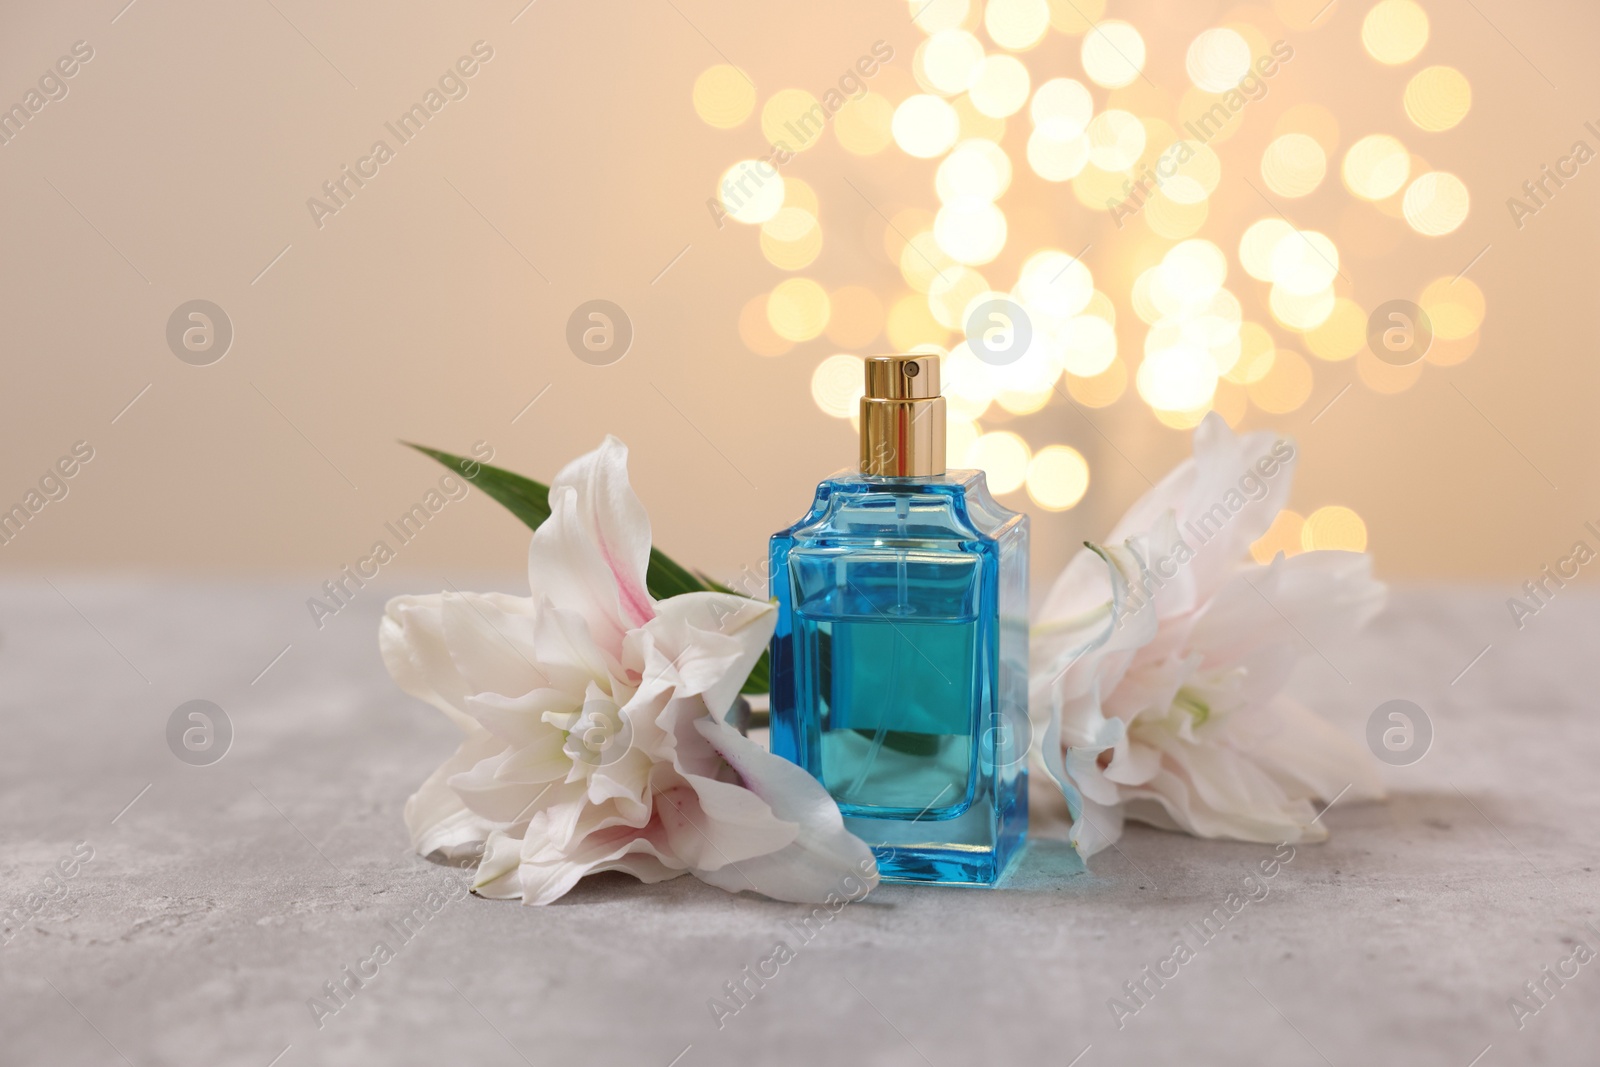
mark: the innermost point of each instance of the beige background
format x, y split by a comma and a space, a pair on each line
188, 147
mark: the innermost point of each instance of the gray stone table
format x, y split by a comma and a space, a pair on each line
208, 903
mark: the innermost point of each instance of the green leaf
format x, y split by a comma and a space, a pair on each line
529, 501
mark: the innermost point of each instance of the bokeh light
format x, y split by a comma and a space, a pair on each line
1016, 24
925, 126
1394, 31
1436, 203
1218, 60
1438, 98
1333, 527
792, 118
1376, 166
863, 127
724, 96
751, 191
1057, 477
798, 309
1293, 165
1282, 536
950, 61
1113, 54
1003, 456
838, 384
1001, 88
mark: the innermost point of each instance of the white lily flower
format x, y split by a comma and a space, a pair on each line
1159, 662
593, 717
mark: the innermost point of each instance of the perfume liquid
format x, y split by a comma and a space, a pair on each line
900, 655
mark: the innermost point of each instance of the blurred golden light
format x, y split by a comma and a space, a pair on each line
922, 261
977, 169
1455, 307
968, 386
1257, 245
1286, 386
863, 126
1002, 86
1104, 389
1282, 536
1172, 220
1055, 284
1182, 420
1394, 31
1206, 112
959, 435
1383, 377
793, 118
971, 122
970, 231
1376, 166
1342, 334
950, 296
1058, 476
1257, 352
1438, 98
1116, 140
1101, 307
925, 126
1016, 24
856, 317
1025, 401
838, 384
1057, 160
1300, 311
723, 96
938, 15
1218, 60
1113, 54
1089, 346
1062, 107
1314, 120
1305, 263
911, 324
798, 193
931, 16
901, 226
1231, 403
1293, 165
1333, 527
751, 191
1436, 203
1180, 378
951, 61
798, 309
791, 239
1003, 456
1196, 176
756, 332
1448, 351
1076, 16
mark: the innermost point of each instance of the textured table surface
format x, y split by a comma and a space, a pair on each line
218, 899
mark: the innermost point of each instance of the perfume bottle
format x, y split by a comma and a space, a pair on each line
900, 659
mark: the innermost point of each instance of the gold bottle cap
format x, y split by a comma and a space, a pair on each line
902, 418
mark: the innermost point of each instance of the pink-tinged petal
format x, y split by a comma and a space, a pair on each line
705, 644
823, 858
610, 520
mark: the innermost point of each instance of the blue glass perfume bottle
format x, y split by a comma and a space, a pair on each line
900, 660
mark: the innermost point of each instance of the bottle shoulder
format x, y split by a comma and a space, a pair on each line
956, 506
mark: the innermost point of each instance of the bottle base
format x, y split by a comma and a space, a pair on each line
925, 865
